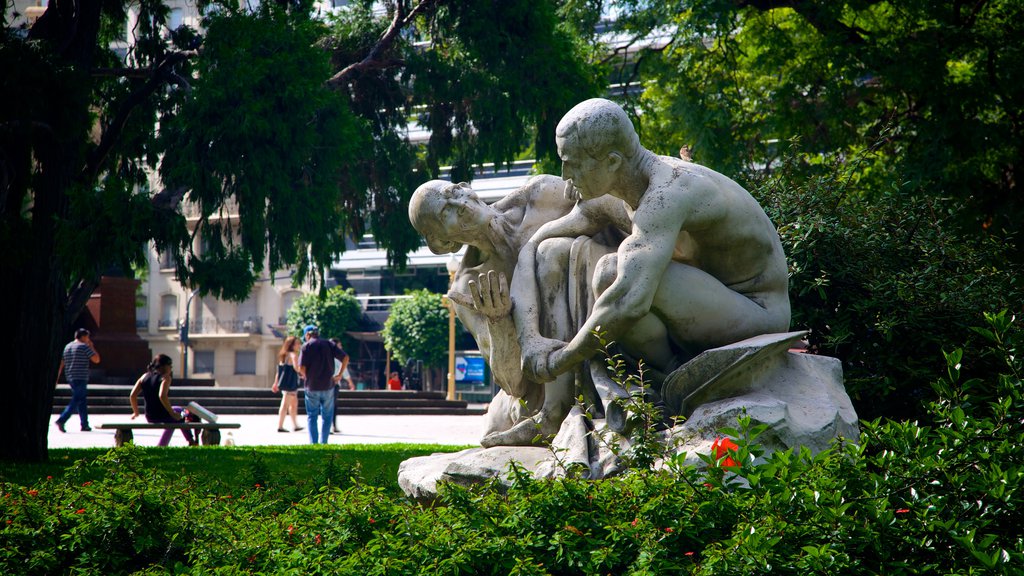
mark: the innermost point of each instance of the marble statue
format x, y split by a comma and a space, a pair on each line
675, 263
702, 265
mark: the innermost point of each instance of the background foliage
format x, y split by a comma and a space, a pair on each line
417, 329
935, 85
883, 284
335, 312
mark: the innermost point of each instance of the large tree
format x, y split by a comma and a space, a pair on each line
300, 125
933, 89
885, 139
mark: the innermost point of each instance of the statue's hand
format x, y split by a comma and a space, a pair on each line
490, 295
570, 192
536, 358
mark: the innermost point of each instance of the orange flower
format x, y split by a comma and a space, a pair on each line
722, 448
903, 510
669, 530
33, 492
80, 511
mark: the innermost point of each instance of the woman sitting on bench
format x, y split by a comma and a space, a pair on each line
155, 386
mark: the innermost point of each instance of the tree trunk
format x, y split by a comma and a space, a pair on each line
34, 291
35, 287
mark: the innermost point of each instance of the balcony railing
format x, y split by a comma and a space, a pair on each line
378, 303
250, 325
229, 208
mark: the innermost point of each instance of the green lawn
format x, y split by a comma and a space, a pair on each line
230, 468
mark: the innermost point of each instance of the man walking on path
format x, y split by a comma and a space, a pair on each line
316, 366
75, 364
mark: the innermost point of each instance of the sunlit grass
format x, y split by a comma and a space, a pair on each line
233, 467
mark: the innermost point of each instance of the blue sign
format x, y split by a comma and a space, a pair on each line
469, 369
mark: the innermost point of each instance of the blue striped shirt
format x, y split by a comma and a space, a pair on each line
76, 361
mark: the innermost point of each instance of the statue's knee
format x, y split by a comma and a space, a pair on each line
604, 273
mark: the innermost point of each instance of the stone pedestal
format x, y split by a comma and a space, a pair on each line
799, 397
110, 316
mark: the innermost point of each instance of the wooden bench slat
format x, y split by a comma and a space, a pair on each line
175, 425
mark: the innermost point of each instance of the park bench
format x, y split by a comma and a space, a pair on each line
209, 431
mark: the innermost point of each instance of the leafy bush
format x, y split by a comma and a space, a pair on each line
883, 285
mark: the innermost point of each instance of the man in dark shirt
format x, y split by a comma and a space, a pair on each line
316, 366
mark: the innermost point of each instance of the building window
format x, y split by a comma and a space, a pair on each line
142, 316
203, 362
245, 361
168, 311
166, 260
175, 19
247, 310
287, 301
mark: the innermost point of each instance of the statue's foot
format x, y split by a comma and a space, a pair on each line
535, 431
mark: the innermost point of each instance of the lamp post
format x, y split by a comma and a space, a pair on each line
453, 266
184, 335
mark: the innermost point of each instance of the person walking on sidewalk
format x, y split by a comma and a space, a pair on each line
287, 382
75, 364
316, 365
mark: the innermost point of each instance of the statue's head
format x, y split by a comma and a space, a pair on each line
598, 127
426, 208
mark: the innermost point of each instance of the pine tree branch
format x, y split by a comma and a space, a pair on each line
373, 60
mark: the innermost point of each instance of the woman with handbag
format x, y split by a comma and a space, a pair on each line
155, 386
287, 382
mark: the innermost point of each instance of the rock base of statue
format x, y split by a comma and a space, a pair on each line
799, 397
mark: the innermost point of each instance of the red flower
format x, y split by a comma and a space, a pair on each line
903, 510
9, 522
291, 529
49, 477
257, 485
86, 483
33, 492
633, 523
688, 554
372, 521
722, 448
80, 511
668, 530
318, 539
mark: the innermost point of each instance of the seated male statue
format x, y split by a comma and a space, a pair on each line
701, 265
450, 216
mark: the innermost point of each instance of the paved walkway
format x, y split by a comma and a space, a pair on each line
262, 431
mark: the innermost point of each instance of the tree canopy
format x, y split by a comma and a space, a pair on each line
934, 88
293, 124
417, 329
334, 313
